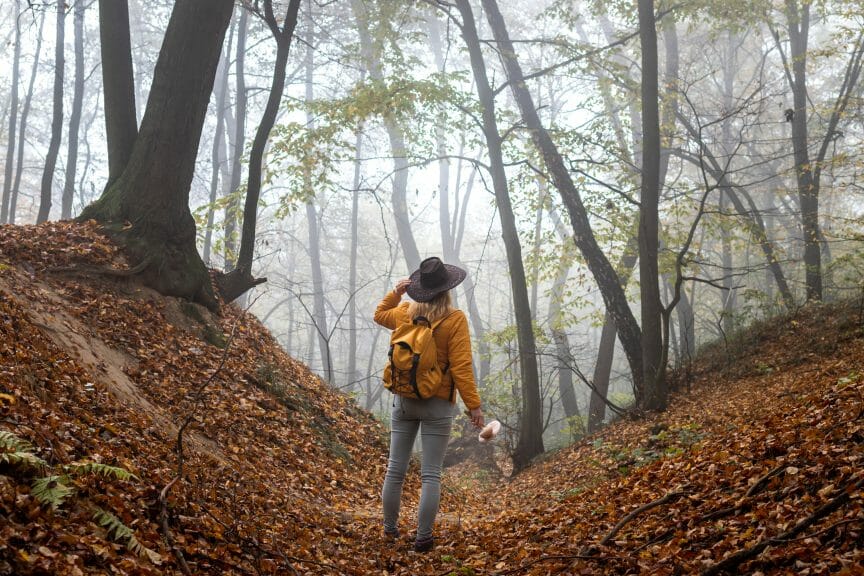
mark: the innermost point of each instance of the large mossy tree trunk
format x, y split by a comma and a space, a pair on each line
147, 208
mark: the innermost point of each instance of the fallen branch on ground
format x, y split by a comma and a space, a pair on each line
621, 523
731, 562
163, 495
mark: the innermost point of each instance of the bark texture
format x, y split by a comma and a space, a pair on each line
530, 441
118, 85
603, 272
147, 208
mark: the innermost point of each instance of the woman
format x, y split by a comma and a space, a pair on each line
429, 287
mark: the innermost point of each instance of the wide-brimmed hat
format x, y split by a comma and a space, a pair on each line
432, 278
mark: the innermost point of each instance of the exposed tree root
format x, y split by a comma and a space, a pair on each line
88, 270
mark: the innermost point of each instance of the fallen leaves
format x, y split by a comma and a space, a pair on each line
282, 475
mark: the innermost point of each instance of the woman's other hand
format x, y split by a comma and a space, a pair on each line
476, 416
402, 286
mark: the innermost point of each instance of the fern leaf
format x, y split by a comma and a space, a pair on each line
16, 451
9, 442
22, 459
97, 469
119, 532
52, 490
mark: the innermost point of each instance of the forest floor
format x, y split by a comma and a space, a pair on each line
755, 468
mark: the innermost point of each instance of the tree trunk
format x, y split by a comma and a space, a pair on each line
602, 373
75, 117
605, 276
530, 442
449, 225
727, 295
147, 208
232, 207
399, 197
118, 85
319, 313
649, 276
57, 118
563, 356
353, 375
798, 21
686, 328
22, 132
13, 117
238, 281
218, 155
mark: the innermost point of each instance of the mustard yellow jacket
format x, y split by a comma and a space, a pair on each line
452, 340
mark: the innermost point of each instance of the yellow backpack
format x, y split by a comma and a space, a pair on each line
413, 370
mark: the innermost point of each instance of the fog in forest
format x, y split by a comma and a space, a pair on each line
380, 156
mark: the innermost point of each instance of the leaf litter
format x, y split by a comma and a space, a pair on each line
755, 468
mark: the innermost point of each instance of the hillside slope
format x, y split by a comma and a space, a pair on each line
758, 469
762, 456
96, 368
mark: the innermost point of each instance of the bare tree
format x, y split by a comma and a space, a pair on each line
232, 207
371, 44
57, 118
75, 116
530, 442
808, 171
239, 280
604, 274
22, 131
13, 116
218, 155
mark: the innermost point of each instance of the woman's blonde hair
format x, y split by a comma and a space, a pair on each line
435, 309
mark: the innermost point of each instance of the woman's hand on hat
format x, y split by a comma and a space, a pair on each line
402, 286
476, 415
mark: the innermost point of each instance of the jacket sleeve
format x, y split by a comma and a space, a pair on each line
389, 313
461, 365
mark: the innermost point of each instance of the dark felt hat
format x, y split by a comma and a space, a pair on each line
432, 278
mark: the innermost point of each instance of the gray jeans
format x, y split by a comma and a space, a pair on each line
434, 418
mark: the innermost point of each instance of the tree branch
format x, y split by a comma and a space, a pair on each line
731, 562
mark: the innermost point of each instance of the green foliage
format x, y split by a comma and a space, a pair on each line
52, 490
849, 379
269, 379
18, 452
99, 469
119, 532
460, 569
622, 399
307, 154
663, 443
